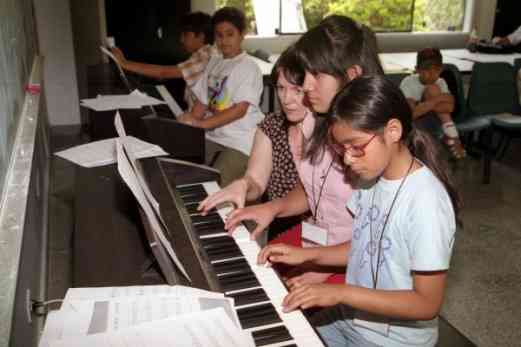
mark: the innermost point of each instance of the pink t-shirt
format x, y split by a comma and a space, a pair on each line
327, 192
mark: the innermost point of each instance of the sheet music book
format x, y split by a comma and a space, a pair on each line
212, 328
103, 152
94, 316
129, 176
108, 293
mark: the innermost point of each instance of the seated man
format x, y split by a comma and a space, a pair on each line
426, 92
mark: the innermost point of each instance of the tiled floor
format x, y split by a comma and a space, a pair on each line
482, 299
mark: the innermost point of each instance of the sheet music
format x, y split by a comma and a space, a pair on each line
108, 293
129, 176
138, 169
116, 61
170, 101
86, 317
208, 328
134, 100
118, 124
103, 152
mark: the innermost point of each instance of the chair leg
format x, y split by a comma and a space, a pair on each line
487, 155
506, 144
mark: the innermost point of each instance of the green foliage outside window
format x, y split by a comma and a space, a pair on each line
380, 15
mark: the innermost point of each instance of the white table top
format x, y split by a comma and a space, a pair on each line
406, 62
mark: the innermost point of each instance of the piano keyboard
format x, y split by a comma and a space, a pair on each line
257, 290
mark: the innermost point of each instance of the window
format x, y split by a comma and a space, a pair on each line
265, 18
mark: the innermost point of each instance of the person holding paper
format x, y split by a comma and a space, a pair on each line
510, 40
228, 96
196, 38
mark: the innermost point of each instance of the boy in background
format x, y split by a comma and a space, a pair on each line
197, 40
426, 92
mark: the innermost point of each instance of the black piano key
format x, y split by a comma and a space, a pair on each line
271, 335
210, 224
209, 218
249, 297
192, 207
256, 316
191, 188
236, 265
209, 232
217, 255
192, 198
237, 281
218, 242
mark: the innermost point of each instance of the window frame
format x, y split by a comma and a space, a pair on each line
388, 42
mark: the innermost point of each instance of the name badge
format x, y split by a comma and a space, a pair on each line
313, 235
376, 325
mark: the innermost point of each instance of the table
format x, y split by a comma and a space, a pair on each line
406, 61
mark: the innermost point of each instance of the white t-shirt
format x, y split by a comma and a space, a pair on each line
412, 88
227, 82
515, 37
419, 236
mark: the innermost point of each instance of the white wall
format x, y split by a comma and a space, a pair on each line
53, 22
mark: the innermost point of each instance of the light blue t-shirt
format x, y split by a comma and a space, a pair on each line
419, 236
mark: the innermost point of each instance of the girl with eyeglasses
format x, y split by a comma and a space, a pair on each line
333, 53
403, 231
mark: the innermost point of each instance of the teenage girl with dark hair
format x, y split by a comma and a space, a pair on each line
403, 232
334, 52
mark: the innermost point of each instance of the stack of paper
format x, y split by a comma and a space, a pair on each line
144, 316
104, 152
136, 99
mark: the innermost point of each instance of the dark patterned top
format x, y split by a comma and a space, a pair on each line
284, 175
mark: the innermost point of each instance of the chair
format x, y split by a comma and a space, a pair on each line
396, 77
468, 124
493, 96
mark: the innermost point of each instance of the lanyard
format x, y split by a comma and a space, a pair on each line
373, 274
316, 201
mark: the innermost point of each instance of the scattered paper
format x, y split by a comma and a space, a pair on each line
170, 101
134, 100
118, 124
103, 152
212, 328
130, 178
108, 293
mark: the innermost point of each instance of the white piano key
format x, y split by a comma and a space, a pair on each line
296, 323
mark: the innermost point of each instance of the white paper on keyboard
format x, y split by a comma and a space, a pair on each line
85, 317
170, 101
108, 293
118, 124
138, 170
129, 177
209, 328
136, 99
103, 152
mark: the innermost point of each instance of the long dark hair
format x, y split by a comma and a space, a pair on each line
368, 103
332, 47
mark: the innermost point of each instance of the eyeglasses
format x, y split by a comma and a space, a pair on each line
342, 149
